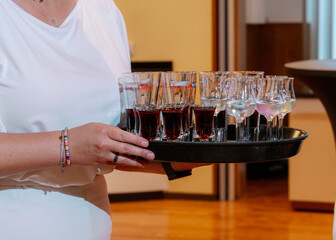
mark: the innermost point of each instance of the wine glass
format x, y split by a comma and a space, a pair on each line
269, 101
288, 94
241, 101
254, 120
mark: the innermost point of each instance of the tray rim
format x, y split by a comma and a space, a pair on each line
249, 143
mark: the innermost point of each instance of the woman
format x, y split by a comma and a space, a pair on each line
58, 65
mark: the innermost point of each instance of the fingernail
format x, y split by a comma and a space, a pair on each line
144, 143
150, 156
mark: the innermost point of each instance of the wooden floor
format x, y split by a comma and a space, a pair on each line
263, 214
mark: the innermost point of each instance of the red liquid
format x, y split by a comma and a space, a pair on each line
130, 118
191, 122
137, 120
204, 121
185, 119
149, 122
172, 120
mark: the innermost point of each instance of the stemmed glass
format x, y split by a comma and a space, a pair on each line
241, 101
288, 94
254, 120
269, 102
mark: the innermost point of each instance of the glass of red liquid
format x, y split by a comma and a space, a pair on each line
128, 87
175, 109
214, 92
147, 109
204, 123
149, 117
172, 122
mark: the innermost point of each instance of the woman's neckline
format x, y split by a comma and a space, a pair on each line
35, 19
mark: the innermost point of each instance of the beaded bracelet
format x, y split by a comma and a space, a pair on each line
66, 143
62, 162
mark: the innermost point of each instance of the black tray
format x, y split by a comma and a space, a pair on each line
231, 151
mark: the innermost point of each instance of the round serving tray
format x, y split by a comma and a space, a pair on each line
231, 151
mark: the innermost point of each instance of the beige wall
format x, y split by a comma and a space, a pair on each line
312, 173
180, 31
177, 30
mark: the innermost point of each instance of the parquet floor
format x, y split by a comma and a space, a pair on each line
263, 214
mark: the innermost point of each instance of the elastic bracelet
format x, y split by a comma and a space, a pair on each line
66, 144
62, 162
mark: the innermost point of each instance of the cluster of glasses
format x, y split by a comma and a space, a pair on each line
162, 106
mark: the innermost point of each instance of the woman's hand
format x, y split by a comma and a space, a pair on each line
97, 143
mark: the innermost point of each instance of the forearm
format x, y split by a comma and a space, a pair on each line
91, 144
28, 151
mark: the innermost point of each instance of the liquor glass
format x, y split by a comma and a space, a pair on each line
204, 119
214, 93
148, 111
288, 94
241, 102
254, 120
128, 88
192, 76
270, 102
204, 113
175, 108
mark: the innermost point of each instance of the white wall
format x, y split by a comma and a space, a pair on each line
284, 11
274, 11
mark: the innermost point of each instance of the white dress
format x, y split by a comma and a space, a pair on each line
52, 78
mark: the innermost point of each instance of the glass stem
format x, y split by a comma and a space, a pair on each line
269, 130
226, 125
246, 129
239, 130
257, 128
215, 123
280, 127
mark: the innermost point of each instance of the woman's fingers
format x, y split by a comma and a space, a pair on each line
129, 144
96, 143
127, 160
129, 149
119, 135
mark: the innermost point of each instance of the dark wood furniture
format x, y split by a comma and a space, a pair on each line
320, 76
